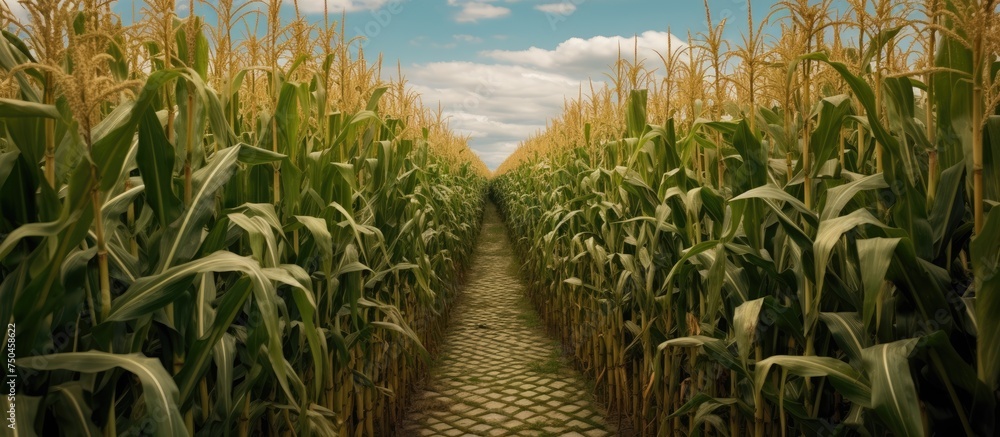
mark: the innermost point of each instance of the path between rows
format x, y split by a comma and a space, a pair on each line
497, 373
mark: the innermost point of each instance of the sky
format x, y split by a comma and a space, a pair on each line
501, 68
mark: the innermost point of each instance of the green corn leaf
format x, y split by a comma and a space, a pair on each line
948, 207
697, 401
10, 108
874, 259
14, 53
30, 230
838, 197
184, 235
224, 354
991, 156
825, 140
156, 162
214, 344
985, 251
849, 382
770, 193
73, 412
320, 232
893, 394
953, 93
716, 349
154, 292
876, 45
636, 117
849, 333
159, 390
110, 150
829, 234
972, 396
263, 242
256, 156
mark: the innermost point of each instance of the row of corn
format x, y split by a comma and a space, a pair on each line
796, 237
202, 234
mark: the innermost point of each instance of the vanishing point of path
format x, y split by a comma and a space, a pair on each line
497, 373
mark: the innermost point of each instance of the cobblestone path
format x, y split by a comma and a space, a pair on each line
497, 372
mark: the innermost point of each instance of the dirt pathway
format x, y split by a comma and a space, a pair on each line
497, 372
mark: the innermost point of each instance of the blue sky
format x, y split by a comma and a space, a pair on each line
501, 68
425, 30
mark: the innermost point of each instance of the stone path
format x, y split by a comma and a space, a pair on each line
497, 372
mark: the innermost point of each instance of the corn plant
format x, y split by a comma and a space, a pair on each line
833, 273
198, 245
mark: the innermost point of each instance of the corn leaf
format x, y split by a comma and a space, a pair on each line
159, 390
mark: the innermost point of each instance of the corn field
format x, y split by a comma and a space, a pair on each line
788, 234
207, 236
783, 236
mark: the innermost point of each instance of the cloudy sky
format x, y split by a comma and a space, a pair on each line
501, 68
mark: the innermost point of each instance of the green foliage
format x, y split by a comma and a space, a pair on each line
685, 297
235, 303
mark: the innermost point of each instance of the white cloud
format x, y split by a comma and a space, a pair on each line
338, 6
590, 57
497, 105
494, 153
510, 96
564, 8
475, 10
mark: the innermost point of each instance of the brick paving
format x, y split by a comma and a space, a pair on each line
498, 374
